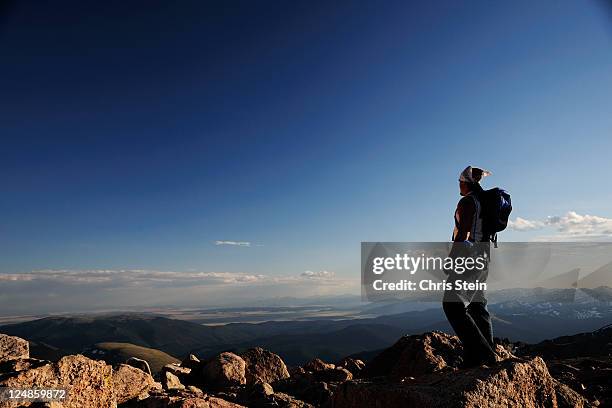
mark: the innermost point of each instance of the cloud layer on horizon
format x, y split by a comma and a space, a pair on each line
68, 290
571, 226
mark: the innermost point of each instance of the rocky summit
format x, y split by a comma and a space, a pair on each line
417, 371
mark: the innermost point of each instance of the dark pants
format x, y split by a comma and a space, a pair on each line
472, 324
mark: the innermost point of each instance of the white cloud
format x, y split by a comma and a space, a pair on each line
521, 224
234, 243
318, 275
571, 226
576, 224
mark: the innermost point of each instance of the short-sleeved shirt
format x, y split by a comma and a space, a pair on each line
466, 217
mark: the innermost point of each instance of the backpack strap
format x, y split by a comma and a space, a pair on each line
476, 234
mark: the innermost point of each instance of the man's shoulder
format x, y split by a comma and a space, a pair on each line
466, 203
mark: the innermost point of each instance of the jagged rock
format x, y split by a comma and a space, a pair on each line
522, 383
183, 373
214, 402
353, 365
231, 393
313, 382
90, 382
280, 399
191, 362
318, 370
171, 382
296, 371
568, 398
12, 347
263, 366
416, 355
256, 395
194, 389
337, 374
20, 364
177, 369
309, 387
318, 365
261, 390
587, 376
225, 369
503, 353
131, 382
310, 381
317, 393
184, 399
140, 364
512, 383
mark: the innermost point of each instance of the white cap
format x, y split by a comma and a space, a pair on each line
473, 174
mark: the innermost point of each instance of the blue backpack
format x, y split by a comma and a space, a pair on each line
495, 209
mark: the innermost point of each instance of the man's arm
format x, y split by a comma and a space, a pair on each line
464, 219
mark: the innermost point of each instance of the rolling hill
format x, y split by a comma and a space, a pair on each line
115, 353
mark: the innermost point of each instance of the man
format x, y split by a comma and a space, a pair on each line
467, 311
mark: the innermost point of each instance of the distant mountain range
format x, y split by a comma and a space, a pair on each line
527, 315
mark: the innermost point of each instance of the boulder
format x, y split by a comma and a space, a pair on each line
568, 398
525, 383
260, 390
140, 364
191, 362
318, 370
589, 377
503, 353
183, 373
171, 382
338, 374
131, 382
214, 402
416, 355
313, 387
194, 389
263, 366
90, 382
317, 393
512, 383
353, 365
318, 365
20, 364
296, 371
12, 348
225, 369
177, 369
184, 399
280, 399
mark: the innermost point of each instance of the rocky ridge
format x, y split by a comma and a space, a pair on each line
417, 371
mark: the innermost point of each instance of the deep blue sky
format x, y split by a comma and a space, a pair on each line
136, 134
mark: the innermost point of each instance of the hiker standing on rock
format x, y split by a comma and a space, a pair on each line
465, 310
